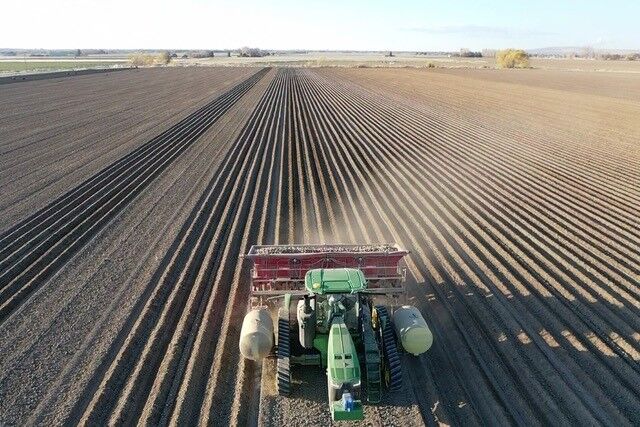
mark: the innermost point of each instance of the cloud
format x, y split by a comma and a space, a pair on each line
480, 30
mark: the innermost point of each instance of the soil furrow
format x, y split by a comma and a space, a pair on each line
40, 258
520, 217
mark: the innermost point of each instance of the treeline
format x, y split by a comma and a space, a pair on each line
252, 52
466, 53
589, 53
619, 57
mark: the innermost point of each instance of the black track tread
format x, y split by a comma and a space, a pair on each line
390, 349
283, 376
373, 378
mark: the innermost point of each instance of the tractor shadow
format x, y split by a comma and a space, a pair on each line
476, 330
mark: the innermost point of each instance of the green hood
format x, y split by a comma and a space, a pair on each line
334, 281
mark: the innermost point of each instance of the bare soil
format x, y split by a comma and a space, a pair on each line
516, 193
56, 133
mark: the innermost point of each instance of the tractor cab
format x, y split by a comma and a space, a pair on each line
335, 293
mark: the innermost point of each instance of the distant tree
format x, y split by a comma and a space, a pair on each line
185, 56
252, 52
466, 53
512, 58
78, 53
140, 59
203, 54
164, 58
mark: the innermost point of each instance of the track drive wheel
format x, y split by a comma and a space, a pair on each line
391, 367
283, 376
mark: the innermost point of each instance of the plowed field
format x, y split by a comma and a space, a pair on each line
129, 198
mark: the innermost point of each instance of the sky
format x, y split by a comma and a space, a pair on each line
319, 25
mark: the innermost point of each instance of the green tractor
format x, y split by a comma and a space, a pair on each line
335, 312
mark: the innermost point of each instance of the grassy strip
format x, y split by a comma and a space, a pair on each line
16, 66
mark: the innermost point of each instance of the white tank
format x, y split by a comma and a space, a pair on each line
412, 330
256, 335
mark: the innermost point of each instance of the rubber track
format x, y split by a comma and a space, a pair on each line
283, 375
373, 384
390, 350
34, 249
